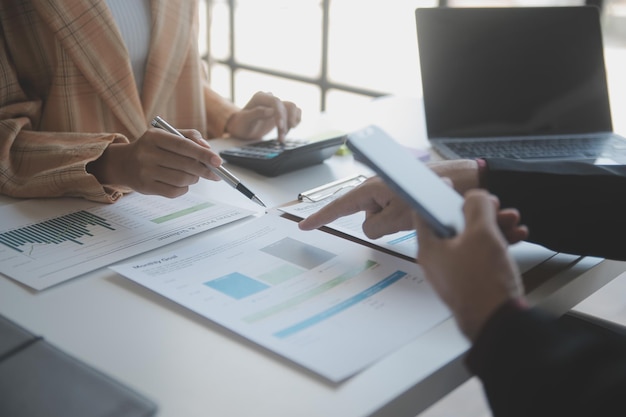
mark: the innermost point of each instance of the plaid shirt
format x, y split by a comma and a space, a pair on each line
67, 91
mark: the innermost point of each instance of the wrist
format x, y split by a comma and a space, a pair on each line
473, 323
228, 125
105, 168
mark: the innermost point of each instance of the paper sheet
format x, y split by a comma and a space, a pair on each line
45, 242
330, 305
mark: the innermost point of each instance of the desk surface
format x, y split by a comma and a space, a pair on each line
192, 367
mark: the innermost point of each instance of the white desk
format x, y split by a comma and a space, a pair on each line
192, 367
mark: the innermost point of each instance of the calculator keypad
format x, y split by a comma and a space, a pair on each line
271, 157
266, 149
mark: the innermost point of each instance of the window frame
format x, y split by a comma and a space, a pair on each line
322, 82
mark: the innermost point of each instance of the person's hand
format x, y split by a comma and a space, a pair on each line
472, 272
463, 173
385, 211
157, 163
264, 112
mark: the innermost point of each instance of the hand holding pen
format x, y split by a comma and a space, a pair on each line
155, 163
219, 170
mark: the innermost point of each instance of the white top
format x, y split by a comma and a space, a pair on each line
134, 22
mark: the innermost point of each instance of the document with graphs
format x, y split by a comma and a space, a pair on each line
47, 241
326, 303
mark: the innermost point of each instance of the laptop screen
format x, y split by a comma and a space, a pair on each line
512, 71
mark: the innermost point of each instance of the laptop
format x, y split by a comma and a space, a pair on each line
519, 82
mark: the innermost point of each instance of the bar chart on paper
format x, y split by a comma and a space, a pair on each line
71, 228
312, 297
43, 243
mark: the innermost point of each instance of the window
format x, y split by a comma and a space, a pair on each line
324, 54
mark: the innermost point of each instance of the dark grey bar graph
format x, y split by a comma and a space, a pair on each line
68, 228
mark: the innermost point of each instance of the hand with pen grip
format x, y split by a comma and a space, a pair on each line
158, 162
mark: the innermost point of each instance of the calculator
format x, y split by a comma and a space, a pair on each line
271, 157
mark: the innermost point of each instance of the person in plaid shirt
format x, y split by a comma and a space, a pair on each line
80, 83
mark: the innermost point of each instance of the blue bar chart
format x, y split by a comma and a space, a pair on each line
329, 304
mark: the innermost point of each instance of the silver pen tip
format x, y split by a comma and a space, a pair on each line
258, 201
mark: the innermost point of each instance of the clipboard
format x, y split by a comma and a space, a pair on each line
316, 197
322, 192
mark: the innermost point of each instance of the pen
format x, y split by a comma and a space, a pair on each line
225, 174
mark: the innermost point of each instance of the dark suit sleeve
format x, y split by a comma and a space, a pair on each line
532, 364
569, 207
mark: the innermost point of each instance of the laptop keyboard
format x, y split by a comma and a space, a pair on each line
537, 148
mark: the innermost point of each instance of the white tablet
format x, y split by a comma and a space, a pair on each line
437, 202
